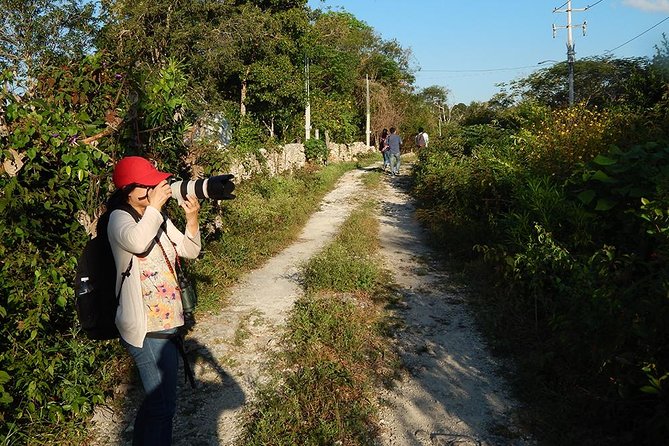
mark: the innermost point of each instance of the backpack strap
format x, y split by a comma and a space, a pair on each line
124, 275
130, 210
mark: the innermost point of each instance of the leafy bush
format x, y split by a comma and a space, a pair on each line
565, 139
60, 141
316, 150
459, 192
49, 374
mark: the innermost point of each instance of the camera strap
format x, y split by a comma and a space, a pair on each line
167, 260
177, 338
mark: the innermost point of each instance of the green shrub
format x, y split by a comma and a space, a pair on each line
458, 193
316, 150
565, 139
63, 137
49, 374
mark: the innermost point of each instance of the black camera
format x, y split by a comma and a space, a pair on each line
219, 187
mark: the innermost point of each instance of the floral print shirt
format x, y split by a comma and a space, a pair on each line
160, 291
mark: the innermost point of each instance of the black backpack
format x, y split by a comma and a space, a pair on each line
95, 284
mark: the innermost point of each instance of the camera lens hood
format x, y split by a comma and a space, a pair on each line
219, 187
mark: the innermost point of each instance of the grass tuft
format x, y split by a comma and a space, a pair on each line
349, 263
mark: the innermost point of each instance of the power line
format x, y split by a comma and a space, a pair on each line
594, 4
478, 71
639, 35
561, 5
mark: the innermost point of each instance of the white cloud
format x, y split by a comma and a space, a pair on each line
649, 5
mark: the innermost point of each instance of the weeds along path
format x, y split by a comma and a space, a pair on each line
450, 391
230, 348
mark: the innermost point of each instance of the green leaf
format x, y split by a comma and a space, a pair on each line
604, 204
4, 377
649, 389
604, 160
5, 398
587, 196
601, 176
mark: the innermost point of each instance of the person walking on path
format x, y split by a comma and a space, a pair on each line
395, 145
383, 148
150, 309
422, 138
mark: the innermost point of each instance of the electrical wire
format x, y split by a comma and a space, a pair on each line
555, 9
594, 4
637, 36
478, 71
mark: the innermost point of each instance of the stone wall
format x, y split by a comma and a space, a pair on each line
291, 157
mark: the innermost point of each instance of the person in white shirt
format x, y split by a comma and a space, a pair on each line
150, 310
422, 139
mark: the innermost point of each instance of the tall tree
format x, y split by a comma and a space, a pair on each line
35, 33
243, 52
344, 51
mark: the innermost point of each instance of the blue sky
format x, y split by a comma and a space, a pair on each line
469, 46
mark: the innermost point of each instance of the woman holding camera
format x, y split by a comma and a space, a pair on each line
146, 243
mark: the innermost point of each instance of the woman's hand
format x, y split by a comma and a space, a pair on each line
191, 207
159, 194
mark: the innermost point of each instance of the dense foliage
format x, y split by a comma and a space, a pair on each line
569, 208
50, 178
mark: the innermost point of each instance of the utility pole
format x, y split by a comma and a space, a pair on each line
440, 107
571, 52
307, 109
368, 131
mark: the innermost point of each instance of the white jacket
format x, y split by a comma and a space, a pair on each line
129, 238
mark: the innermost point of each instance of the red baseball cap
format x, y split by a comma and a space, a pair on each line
137, 170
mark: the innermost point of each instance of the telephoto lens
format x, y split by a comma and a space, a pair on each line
219, 187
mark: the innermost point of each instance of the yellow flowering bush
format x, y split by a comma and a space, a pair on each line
565, 139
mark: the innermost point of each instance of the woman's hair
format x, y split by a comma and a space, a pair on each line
384, 133
117, 200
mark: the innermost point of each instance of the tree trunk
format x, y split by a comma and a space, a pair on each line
242, 99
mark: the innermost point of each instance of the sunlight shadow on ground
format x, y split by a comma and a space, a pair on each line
201, 410
451, 391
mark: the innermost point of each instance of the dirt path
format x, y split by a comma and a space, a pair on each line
450, 392
448, 395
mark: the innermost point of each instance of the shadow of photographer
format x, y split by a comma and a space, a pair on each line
208, 410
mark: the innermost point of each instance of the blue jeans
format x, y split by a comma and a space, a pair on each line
395, 163
157, 362
386, 159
